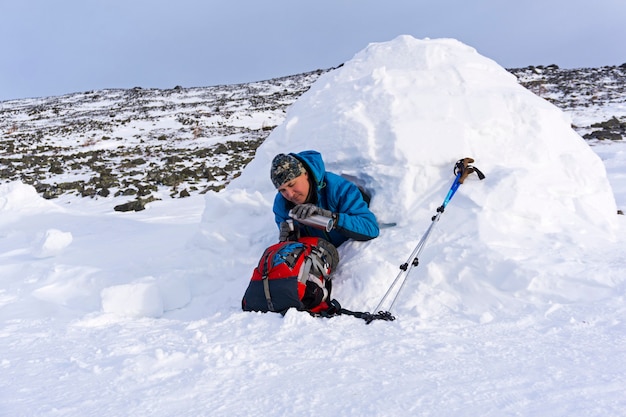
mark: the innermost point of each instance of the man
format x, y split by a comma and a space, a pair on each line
306, 189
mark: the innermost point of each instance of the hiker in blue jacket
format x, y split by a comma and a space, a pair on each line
306, 189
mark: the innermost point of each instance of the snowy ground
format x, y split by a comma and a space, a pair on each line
516, 309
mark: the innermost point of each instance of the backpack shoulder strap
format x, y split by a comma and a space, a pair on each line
303, 274
264, 275
316, 262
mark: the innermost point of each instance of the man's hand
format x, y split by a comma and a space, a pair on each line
302, 211
287, 232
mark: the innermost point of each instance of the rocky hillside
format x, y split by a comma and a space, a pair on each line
595, 98
145, 144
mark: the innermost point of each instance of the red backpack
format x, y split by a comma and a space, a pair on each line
296, 274
292, 274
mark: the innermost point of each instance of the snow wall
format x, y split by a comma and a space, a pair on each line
395, 118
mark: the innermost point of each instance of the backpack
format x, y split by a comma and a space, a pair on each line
292, 274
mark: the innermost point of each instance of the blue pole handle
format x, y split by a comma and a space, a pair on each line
453, 188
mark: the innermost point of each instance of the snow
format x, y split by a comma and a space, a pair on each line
516, 307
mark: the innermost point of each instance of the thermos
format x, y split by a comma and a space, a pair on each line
317, 221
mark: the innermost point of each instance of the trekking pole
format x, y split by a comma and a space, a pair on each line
462, 169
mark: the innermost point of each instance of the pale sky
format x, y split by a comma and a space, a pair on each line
55, 47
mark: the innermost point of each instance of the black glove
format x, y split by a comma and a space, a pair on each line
287, 232
302, 211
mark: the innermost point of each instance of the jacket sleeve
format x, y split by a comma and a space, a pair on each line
354, 218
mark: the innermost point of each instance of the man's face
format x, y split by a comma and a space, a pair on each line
296, 190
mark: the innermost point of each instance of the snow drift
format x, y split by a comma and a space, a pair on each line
395, 118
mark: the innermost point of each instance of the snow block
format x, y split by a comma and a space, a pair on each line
135, 300
51, 243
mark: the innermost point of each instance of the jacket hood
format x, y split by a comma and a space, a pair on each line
314, 162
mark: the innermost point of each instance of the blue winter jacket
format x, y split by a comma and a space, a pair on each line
334, 193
